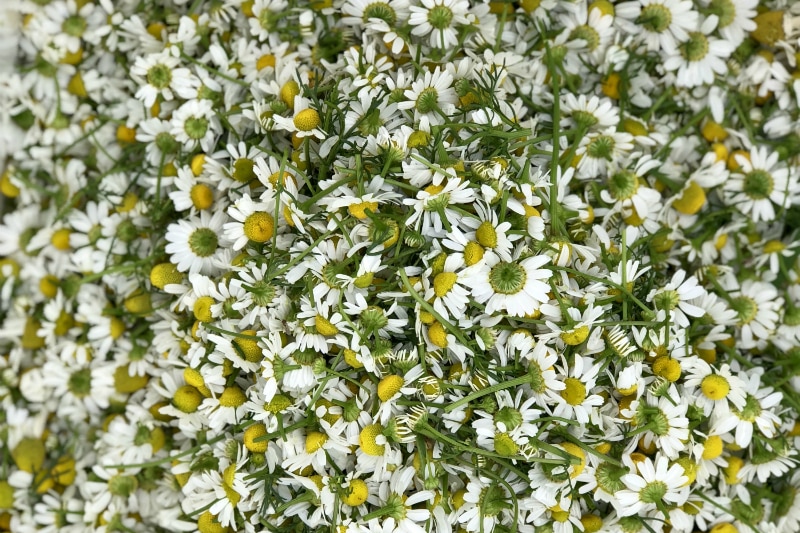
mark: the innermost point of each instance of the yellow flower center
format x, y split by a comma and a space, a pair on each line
486, 235
351, 358
389, 386
187, 399
667, 368
232, 397
725, 527
124, 383
29, 454
771, 247
473, 252
714, 132
368, 440
325, 326
315, 440
574, 392
575, 451
116, 328
60, 239
306, 120
266, 60
207, 523
715, 387
443, 282
691, 201
356, 493
48, 286
202, 308
438, 335
289, 90
259, 227
575, 336
732, 470
591, 522
248, 346
202, 196
197, 164
164, 274
712, 447
359, 210
252, 433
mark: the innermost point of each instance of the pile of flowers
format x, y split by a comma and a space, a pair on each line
400, 266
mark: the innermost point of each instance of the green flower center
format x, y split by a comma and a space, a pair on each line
538, 384
507, 278
667, 300
428, 100
655, 18
196, 127
262, 292
166, 142
584, 119
505, 445
74, 25
159, 76
758, 184
574, 392
696, 48
623, 184
379, 10
80, 383
371, 122
373, 319
609, 477
268, 19
440, 17
746, 309
122, 486
493, 500
588, 34
750, 411
509, 416
653, 492
725, 10
243, 170
142, 436
203, 242
601, 147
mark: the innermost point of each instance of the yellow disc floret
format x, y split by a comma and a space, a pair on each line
202, 309
202, 196
187, 399
307, 120
315, 440
389, 386
164, 274
259, 227
715, 387
356, 493
252, 433
368, 440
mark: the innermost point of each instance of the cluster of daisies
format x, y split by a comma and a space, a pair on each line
400, 266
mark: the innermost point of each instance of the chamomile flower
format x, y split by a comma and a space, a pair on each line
195, 245
655, 486
576, 400
195, 124
516, 287
760, 184
438, 20
699, 57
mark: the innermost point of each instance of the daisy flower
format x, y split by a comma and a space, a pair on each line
674, 298
699, 57
657, 485
719, 388
195, 245
760, 182
757, 306
517, 287
160, 75
660, 24
194, 124
431, 95
576, 401
253, 222
449, 289
438, 20
305, 122
756, 411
